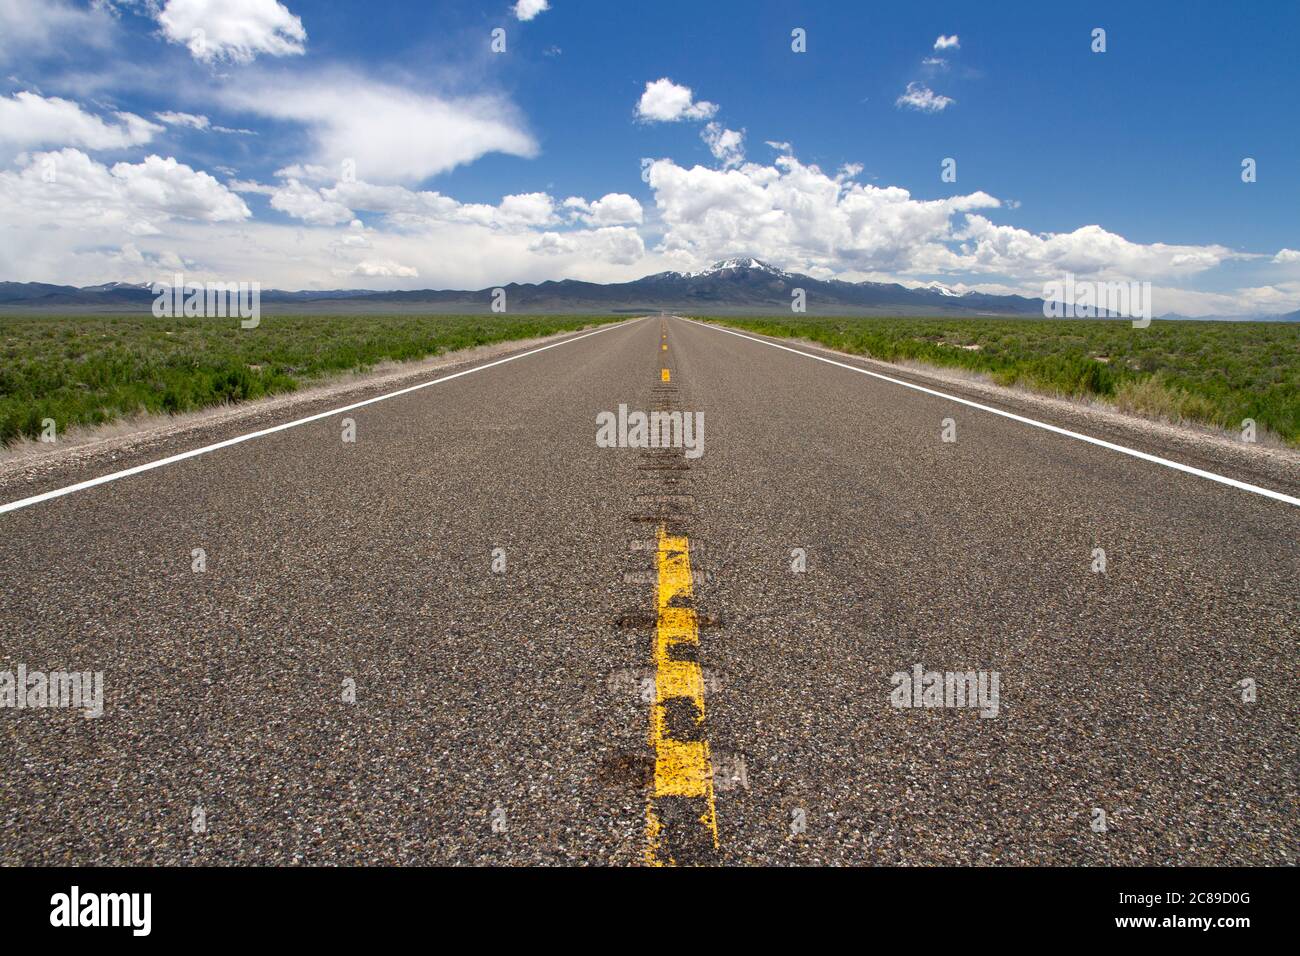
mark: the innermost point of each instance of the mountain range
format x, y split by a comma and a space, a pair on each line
736, 285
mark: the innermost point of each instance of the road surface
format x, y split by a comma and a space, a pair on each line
472, 635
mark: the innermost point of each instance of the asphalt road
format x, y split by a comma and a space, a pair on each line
506, 716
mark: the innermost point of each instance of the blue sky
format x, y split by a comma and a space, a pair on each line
309, 144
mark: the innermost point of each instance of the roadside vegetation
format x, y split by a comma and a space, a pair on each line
1212, 373
92, 369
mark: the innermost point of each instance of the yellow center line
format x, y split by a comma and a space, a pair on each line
683, 768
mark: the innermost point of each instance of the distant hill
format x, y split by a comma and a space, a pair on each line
736, 285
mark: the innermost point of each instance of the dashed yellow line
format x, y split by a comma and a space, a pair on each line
683, 767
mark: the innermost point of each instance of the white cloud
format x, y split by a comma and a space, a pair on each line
392, 134
415, 218
527, 9
918, 96
612, 209
410, 210
666, 102
159, 212
796, 214
305, 203
173, 189
191, 120
292, 256
382, 268
526, 209
612, 244
68, 187
1087, 250
616, 244
805, 220
356, 237
727, 145
947, 43
235, 30
1287, 255
553, 244
403, 208
28, 119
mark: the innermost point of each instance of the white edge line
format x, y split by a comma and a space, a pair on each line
195, 452
1155, 459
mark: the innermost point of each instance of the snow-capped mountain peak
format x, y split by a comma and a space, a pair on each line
942, 289
746, 263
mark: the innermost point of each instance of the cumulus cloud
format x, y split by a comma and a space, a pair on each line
612, 209
527, 9
613, 244
666, 102
411, 210
526, 209
727, 145
1087, 250
173, 189
305, 203
391, 134
28, 119
69, 187
234, 30
796, 214
191, 120
806, 220
918, 96
603, 233
1286, 255
947, 43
